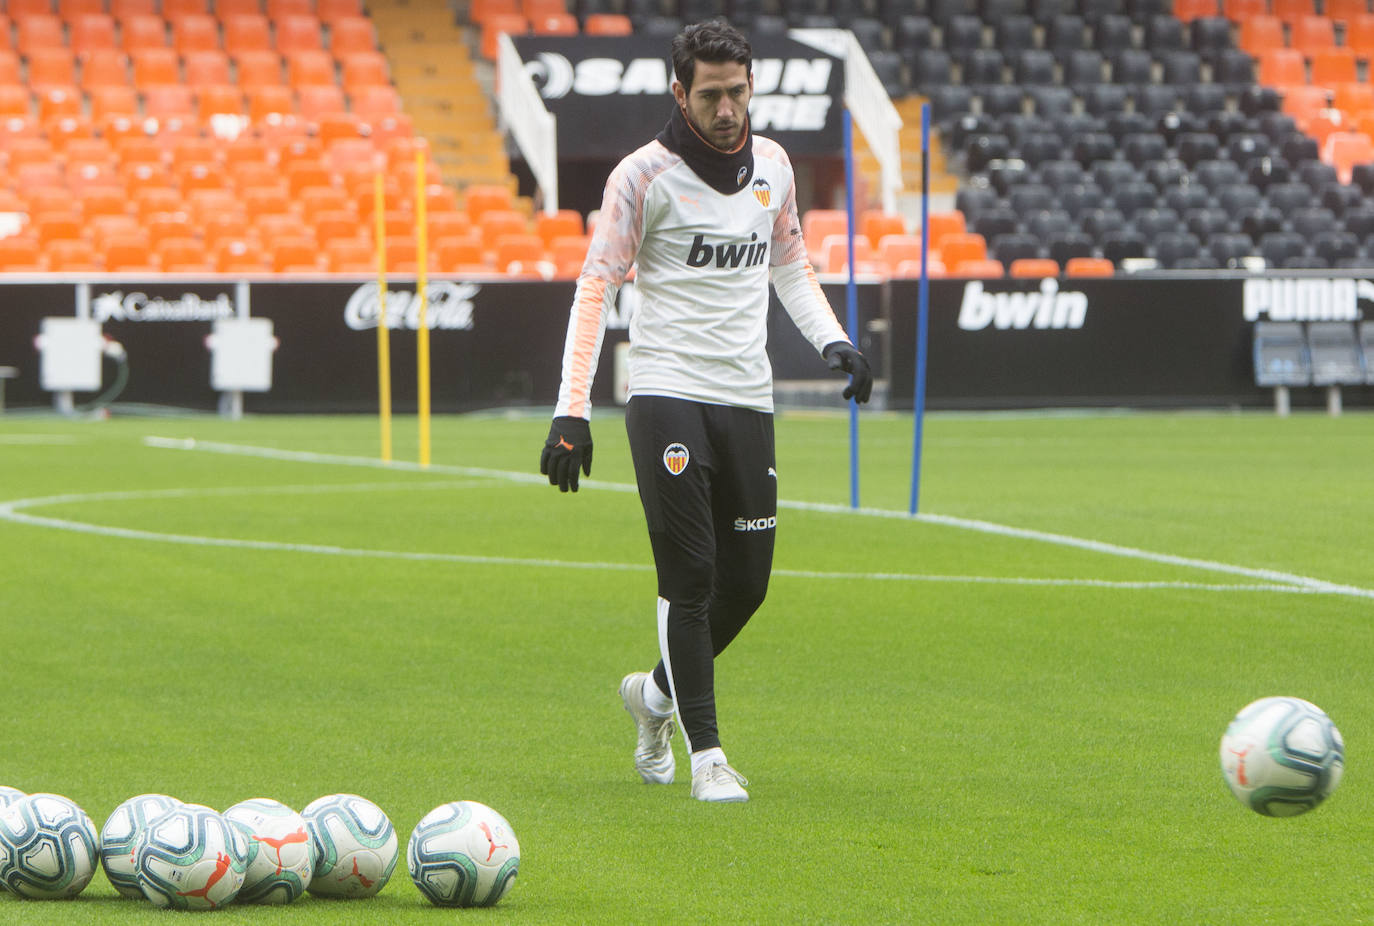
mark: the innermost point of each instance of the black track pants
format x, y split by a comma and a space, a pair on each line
707, 481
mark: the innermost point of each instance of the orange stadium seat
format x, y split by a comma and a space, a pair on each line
226, 8
317, 200
11, 71
400, 254
297, 32
267, 101
1260, 33
608, 24
819, 224
330, 226
279, 9
876, 225
985, 268
183, 255
479, 199
350, 255
310, 68
1342, 11
554, 24
70, 10
105, 68
1311, 34
457, 253
835, 253
219, 99
123, 9
1034, 268
364, 69
56, 101
316, 101
296, 255
1343, 150
258, 69
206, 66
497, 222
17, 8
38, 31
1089, 267
568, 254
375, 103
447, 223
142, 30
173, 9
533, 8
563, 223
479, 11
155, 67
1282, 67
351, 34
20, 254
1290, 11
238, 255
91, 32
499, 23
1305, 103
72, 255
250, 174
195, 32
958, 247
1333, 66
519, 254
15, 100
247, 32
331, 11
128, 252
51, 67
894, 249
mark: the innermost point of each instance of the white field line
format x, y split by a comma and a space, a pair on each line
1273, 581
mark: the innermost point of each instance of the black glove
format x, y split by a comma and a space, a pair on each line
569, 446
840, 355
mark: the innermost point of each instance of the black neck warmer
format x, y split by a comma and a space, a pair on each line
724, 171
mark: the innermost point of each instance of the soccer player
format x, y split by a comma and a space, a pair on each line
707, 213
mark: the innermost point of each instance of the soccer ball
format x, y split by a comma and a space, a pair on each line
8, 796
280, 857
355, 846
119, 838
49, 847
191, 858
463, 854
1282, 756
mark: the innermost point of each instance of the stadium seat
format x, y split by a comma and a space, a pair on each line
1333, 66
351, 34
607, 24
497, 24
984, 268
1343, 150
1033, 268
298, 33
455, 253
195, 32
350, 256
957, 248
206, 67
310, 67
246, 32
1291, 11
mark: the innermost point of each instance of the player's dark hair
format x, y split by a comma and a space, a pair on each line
715, 41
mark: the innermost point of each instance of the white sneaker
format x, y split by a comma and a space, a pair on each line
653, 752
719, 782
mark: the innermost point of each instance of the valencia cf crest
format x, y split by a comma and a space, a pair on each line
675, 457
742, 175
762, 192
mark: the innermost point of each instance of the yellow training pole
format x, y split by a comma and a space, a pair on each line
422, 296
383, 333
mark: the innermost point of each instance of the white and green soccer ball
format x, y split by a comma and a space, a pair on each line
281, 859
1282, 756
8, 796
191, 858
355, 846
119, 838
49, 847
463, 854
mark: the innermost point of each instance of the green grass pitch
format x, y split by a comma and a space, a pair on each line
974, 717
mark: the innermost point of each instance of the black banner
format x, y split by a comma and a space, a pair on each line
612, 94
1101, 342
1164, 342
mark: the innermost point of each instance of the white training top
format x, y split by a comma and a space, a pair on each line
703, 262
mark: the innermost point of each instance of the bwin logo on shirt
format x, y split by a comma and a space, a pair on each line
747, 254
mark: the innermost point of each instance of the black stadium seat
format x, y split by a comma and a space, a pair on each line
1335, 246
1154, 221
1206, 222
1065, 33
1260, 221
1014, 246
1183, 199
1228, 249
1063, 248
1279, 247
1123, 245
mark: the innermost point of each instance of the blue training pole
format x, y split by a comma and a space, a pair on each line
851, 306
922, 311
